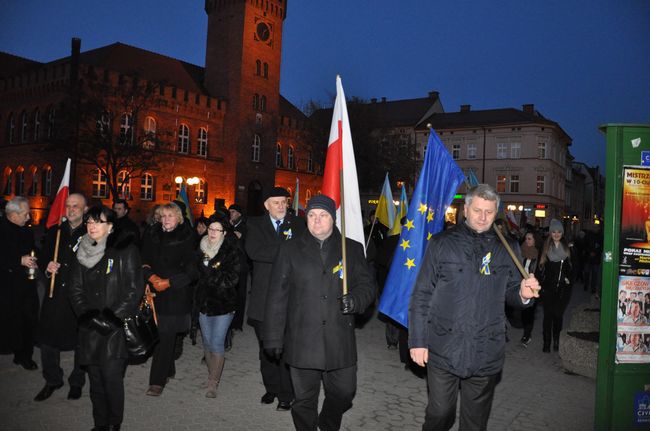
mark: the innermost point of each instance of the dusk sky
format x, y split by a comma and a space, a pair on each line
582, 63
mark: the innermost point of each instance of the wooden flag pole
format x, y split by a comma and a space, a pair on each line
520, 267
371, 228
56, 256
344, 248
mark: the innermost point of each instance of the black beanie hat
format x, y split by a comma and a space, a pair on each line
276, 192
324, 203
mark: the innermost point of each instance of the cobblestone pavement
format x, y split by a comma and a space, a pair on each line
534, 393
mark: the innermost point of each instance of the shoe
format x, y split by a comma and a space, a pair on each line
74, 393
525, 340
27, 364
283, 406
546, 349
268, 398
115, 427
391, 346
155, 391
47, 392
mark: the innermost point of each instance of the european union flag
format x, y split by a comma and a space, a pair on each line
434, 192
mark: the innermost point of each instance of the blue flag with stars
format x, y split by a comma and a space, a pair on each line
434, 192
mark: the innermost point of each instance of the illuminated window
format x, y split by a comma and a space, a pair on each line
100, 187
126, 129
124, 185
150, 132
200, 195
183, 139
501, 183
202, 141
146, 187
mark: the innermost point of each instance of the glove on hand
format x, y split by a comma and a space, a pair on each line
274, 353
161, 285
348, 304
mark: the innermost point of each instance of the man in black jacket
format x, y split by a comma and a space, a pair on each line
456, 314
57, 329
310, 323
265, 235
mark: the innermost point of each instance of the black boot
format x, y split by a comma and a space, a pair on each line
547, 343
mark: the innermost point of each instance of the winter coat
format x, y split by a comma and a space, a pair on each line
58, 324
262, 245
456, 311
114, 283
303, 309
555, 277
216, 291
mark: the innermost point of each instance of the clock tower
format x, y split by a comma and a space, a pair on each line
242, 67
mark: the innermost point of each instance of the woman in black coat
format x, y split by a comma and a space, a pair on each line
106, 286
216, 294
169, 266
530, 255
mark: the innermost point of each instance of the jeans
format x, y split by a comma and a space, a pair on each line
214, 330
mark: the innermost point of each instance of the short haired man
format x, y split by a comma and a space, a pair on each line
456, 314
310, 322
18, 296
265, 235
123, 222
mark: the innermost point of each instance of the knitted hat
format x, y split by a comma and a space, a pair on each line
276, 192
324, 203
556, 226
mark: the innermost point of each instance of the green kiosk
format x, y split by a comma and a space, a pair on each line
623, 381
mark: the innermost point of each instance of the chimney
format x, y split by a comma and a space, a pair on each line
433, 94
528, 108
465, 108
383, 100
373, 100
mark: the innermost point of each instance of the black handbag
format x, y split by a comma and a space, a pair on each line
141, 330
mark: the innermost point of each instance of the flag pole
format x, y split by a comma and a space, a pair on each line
56, 256
371, 228
514, 258
344, 248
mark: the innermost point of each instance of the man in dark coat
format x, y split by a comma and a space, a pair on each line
57, 328
456, 314
18, 296
238, 223
310, 323
265, 235
123, 221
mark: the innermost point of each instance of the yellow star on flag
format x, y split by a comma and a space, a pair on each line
430, 216
405, 244
410, 263
409, 224
422, 209
429, 235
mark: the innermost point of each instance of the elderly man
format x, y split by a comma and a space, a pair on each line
57, 329
310, 322
265, 235
456, 314
18, 296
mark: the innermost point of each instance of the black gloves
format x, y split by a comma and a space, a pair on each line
104, 322
274, 353
348, 304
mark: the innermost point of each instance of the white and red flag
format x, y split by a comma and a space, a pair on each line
340, 158
57, 211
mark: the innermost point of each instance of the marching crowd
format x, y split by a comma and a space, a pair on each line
304, 320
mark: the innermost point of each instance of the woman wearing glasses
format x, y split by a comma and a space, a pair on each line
216, 294
106, 286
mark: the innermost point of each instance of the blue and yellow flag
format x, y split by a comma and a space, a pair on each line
385, 211
401, 212
182, 195
434, 192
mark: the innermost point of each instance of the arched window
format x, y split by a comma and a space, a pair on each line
256, 101
278, 156
124, 185
202, 141
258, 67
51, 119
266, 70
20, 181
46, 187
37, 125
8, 182
11, 128
126, 129
307, 195
24, 118
150, 132
310, 162
100, 188
146, 187
183, 139
263, 104
256, 148
33, 187
200, 195
290, 161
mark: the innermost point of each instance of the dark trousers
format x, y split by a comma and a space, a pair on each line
275, 374
25, 329
528, 319
238, 319
107, 392
476, 394
52, 371
554, 305
340, 387
592, 277
162, 360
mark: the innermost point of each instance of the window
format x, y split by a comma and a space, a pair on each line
263, 104
20, 181
471, 151
455, 151
202, 141
502, 151
541, 181
100, 188
266, 70
104, 124
23, 129
11, 128
8, 182
126, 129
515, 150
146, 187
33, 188
278, 156
150, 132
541, 150
258, 67
200, 197
307, 195
183, 139
514, 183
290, 160
310, 162
46, 187
256, 147
51, 118
37, 124
124, 185
501, 183
256, 101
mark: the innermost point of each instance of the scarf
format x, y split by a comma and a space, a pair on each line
91, 252
208, 248
556, 254
529, 252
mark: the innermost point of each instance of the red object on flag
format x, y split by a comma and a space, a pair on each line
57, 211
340, 157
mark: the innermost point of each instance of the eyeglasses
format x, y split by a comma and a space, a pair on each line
92, 222
214, 229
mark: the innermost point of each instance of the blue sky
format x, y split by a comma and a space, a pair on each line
582, 63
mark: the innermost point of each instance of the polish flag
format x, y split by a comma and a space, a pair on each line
340, 158
57, 211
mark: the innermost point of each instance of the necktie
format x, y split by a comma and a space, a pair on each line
277, 226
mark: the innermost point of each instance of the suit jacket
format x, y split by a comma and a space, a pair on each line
262, 245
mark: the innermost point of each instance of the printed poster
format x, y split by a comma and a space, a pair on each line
635, 222
633, 320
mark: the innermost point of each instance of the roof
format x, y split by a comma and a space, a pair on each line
13, 65
288, 109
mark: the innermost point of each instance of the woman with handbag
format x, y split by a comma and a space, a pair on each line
216, 294
554, 273
106, 287
169, 266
